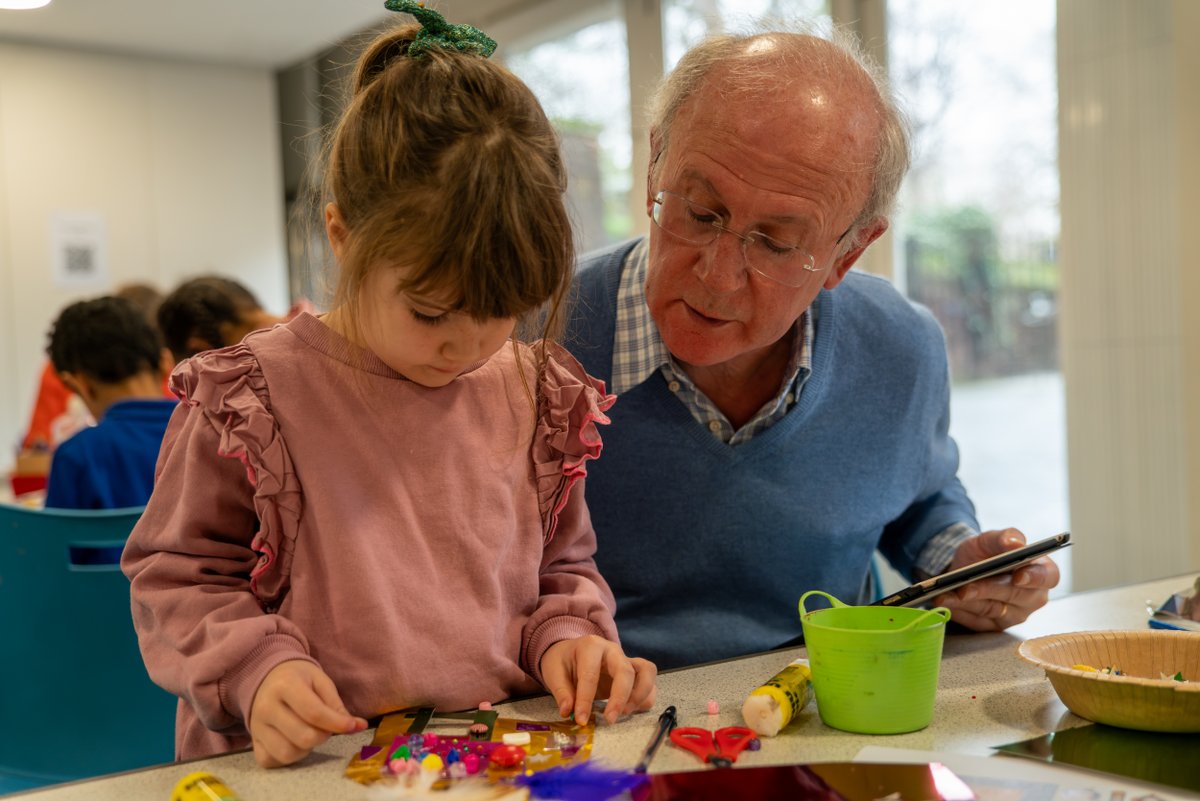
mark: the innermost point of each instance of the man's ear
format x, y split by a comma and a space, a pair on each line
862, 237
335, 229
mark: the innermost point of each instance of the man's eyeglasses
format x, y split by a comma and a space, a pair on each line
692, 223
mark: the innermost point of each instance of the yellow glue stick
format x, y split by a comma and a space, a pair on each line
773, 705
202, 787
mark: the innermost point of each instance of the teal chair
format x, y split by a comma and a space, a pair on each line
75, 700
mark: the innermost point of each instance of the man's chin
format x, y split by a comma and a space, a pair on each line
698, 349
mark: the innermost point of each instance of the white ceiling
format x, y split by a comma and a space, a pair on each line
253, 33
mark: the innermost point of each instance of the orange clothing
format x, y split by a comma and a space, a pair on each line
58, 415
54, 417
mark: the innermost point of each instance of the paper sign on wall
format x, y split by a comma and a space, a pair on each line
79, 250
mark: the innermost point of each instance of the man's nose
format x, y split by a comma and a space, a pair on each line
722, 265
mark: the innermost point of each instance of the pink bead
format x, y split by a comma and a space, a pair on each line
471, 763
431, 740
713, 708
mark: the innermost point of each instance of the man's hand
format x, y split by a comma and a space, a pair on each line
580, 670
995, 603
295, 709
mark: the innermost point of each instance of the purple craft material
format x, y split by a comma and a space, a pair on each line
582, 781
369, 751
532, 727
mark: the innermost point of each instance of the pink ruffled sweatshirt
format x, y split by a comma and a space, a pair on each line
423, 546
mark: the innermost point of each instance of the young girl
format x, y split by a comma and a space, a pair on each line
381, 508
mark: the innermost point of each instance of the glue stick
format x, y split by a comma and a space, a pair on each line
773, 705
202, 787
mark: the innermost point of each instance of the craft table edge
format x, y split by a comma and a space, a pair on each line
987, 696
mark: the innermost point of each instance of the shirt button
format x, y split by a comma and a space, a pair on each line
790, 398
714, 426
673, 386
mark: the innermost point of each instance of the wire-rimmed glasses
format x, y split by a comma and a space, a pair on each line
692, 223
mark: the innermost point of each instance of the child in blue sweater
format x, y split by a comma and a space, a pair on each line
106, 351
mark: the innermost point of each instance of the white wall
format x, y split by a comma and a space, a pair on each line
1128, 135
180, 160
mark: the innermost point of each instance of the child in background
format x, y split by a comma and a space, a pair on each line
57, 412
381, 508
106, 351
210, 312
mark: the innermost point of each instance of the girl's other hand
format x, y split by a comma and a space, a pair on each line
295, 709
578, 671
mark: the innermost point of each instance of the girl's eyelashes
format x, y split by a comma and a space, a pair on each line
428, 319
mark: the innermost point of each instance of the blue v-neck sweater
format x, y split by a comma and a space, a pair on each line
709, 547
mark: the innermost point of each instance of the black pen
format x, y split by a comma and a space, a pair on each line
666, 722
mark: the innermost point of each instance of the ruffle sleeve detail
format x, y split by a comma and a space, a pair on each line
229, 388
571, 403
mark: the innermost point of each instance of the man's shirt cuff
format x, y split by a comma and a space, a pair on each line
937, 554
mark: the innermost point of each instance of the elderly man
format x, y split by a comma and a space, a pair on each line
779, 418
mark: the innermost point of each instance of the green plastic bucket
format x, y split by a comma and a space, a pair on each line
874, 668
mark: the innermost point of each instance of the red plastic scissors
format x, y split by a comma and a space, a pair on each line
720, 747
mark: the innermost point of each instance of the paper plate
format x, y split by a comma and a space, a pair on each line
1139, 698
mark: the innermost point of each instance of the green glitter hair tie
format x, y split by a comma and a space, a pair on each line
437, 33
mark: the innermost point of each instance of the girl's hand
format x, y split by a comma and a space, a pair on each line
295, 709
578, 671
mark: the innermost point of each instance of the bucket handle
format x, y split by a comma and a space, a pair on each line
937, 611
834, 602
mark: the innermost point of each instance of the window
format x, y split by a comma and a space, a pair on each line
686, 22
582, 81
976, 239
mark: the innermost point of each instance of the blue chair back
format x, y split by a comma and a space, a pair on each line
75, 700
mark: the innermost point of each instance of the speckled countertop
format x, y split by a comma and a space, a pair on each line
987, 696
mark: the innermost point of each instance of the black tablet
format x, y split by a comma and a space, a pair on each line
1001, 563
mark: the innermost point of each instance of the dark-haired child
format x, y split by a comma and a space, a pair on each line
210, 311
106, 351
